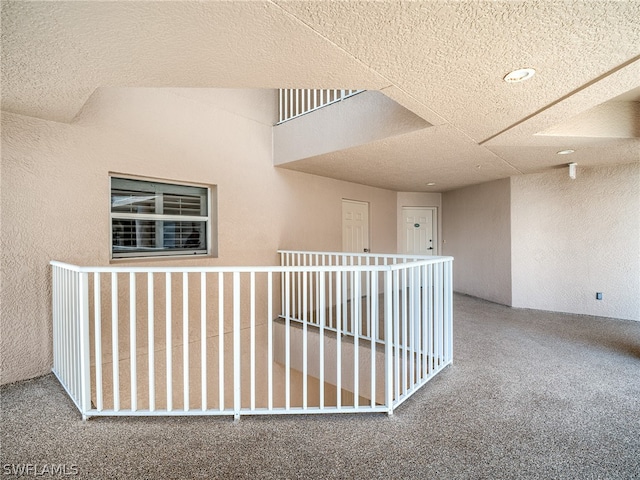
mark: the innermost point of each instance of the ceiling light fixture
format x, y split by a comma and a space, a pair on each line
430, 184
565, 152
519, 75
572, 170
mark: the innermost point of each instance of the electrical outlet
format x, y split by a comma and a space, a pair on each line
598, 295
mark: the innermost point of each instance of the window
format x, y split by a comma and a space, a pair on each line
152, 218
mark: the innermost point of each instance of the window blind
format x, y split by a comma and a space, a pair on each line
155, 218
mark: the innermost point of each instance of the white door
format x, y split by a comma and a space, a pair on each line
355, 226
419, 230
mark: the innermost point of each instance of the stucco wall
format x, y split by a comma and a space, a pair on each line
476, 232
573, 238
55, 194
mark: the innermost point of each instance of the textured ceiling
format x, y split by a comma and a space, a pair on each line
442, 60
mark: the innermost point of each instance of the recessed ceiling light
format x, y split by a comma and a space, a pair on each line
565, 152
519, 75
430, 184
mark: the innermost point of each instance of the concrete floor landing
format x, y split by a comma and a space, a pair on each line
530, 395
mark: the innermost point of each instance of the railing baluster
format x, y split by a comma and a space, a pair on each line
151, 341
449, 290
396, 332
373, 282
185, 340
252, 331
237, 399
114, 342
287, 342
339, 338
97, 319
413, 297
440, 316
77, 337
356, 335
424, 316
330, 303
221, 341
345, 301
168, 320
305, 352
296, 288
415, 339
368, 296
321, 346
71, 362
132, 342
203, 340
388, 337
69, 343
270, 340
430, 320
83, 337
283, 262
68, 360
405, 346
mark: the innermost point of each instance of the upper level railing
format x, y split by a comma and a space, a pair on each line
321, 333
296, 102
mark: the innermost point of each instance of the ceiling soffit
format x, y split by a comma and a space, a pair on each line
442, 60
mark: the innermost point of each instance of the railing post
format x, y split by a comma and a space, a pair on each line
85, 370
55, 301
388, 334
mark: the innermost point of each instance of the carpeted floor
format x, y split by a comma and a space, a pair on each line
530, 395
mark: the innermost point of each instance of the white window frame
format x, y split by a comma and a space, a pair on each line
209, 220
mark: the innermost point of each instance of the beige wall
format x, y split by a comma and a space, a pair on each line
544, 241
573, 238
476, 232
55, 194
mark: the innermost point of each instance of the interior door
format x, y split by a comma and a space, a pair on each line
355, 226
419, 235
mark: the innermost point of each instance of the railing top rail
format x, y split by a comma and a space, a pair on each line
248, 269
369, 254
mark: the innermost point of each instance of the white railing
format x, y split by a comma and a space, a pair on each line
398, 307
321, 333
296, 102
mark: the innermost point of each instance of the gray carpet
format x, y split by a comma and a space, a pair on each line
530, 395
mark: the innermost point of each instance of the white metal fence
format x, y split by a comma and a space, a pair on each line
296, 102
321, 333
